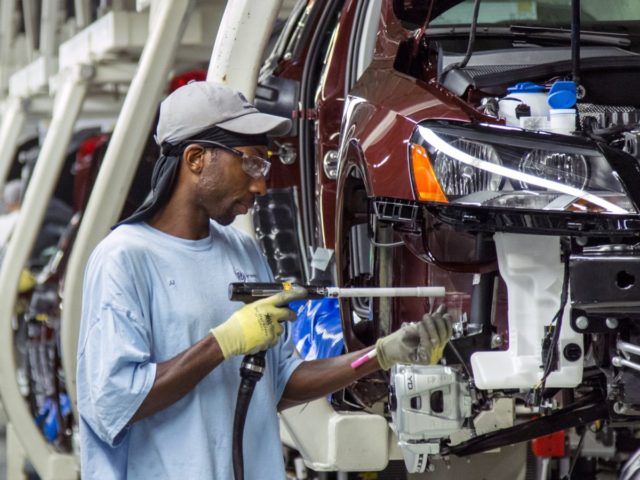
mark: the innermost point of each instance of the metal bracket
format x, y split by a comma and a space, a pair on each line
581, 413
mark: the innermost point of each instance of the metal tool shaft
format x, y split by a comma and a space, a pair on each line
250, 292
337, 292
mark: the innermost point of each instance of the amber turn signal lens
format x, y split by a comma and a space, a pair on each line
427, 186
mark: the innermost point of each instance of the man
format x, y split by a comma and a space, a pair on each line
160, 343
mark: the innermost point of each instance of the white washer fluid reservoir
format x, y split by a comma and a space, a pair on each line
527, 93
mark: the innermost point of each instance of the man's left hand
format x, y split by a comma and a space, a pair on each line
420, 343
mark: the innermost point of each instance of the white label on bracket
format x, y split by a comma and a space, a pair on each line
321, 258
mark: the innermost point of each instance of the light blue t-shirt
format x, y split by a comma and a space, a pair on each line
147, 297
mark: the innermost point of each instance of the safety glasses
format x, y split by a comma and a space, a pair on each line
253, 165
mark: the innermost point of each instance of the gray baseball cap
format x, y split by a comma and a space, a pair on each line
198, 106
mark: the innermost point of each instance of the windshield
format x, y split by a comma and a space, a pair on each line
604, 15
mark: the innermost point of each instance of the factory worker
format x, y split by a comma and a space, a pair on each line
160, 342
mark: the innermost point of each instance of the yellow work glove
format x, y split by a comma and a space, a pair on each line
420, 342
256, 326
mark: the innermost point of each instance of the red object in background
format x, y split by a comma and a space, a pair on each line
183, 78
83, 169
552, 445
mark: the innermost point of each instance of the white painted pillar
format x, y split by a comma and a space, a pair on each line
242, 37
83, 13
119, 167
237, 55
13, 119
16, 456
48, 463
7, 34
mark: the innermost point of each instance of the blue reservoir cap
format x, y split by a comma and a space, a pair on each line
562, 94
526, 87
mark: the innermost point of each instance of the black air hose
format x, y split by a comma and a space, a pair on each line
251, 372
472, 41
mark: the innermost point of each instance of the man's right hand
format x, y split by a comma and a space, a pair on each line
256, 326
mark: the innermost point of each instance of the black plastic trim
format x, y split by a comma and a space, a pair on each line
484, 219
490, 220
627, 169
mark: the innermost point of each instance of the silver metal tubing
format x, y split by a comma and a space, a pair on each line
338, 292
628, 347
622, 362
631, 468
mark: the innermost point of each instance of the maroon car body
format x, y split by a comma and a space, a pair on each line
385, 105
360, 79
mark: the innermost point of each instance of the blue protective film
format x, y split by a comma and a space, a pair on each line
317, 332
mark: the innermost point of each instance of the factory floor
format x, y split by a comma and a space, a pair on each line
507, 464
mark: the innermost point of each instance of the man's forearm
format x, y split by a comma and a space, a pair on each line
178, 376
317, 378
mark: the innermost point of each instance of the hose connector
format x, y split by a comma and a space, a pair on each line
253, 366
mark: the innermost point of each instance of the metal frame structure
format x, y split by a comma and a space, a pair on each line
34, 75
81, 73
13, 120
118, 167
232, 63
49, 463
237, 66
78, 92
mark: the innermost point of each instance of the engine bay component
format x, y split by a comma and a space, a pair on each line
632, 143
427, 403
583, 412
604, 287
488, 70
606, 116
534, 277
530, 107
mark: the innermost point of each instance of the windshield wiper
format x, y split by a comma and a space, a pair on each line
603, 38
529, 32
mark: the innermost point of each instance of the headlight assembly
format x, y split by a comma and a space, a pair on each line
458, 178
566, 168
493, 166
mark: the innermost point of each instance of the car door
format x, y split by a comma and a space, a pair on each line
287, 218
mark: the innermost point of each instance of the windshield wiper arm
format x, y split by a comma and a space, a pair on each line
603, 38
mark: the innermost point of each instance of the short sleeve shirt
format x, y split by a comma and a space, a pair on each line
147, 297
